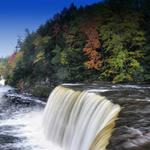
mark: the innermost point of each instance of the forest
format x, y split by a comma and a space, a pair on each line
107, 41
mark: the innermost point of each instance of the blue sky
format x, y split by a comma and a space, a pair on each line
17, 15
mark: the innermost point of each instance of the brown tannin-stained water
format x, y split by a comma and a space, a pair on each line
79, 120
132, 131
21, 120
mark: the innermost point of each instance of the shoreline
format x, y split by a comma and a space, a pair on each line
23, 97
36, 93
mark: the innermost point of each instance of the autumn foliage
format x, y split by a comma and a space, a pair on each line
12, 58
92, 45
106, 41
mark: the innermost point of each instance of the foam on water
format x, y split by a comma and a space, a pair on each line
24, 125
77, 120
99, 90
28, 126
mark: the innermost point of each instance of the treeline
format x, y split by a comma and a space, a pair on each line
3, 63
107, 41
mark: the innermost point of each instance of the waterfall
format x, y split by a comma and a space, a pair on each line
77, 120
2, 81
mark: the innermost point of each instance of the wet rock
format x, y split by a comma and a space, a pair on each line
5, 139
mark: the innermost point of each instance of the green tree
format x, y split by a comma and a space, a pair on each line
123, 46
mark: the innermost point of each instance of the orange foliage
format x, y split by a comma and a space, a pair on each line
92, 45
12, 58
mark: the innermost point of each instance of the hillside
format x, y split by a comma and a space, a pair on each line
106, 41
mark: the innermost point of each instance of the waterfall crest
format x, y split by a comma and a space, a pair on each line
77, 120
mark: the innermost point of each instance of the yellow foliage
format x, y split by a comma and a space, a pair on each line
39, 57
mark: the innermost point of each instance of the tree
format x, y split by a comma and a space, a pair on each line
92, 47
123, 48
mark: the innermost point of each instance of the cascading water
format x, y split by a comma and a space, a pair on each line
21, 119
77, 120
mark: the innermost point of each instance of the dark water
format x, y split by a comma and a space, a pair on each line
132, 130
20, 118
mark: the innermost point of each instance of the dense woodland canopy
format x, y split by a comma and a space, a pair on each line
107, 41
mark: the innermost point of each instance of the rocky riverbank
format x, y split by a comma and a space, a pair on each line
22, 97
132, 131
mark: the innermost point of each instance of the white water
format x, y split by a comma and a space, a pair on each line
24, 124
73, 119
2, 81
28, 126
21, 124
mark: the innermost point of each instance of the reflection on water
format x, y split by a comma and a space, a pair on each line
20, 120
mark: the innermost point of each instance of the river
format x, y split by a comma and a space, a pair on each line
20, 122
21, 118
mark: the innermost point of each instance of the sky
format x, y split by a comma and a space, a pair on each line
18, 15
